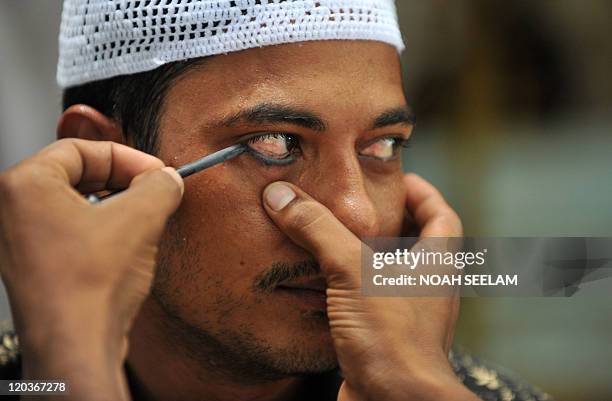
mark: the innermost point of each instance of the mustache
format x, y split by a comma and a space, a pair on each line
279, 272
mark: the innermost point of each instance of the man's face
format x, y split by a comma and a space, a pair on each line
321, 115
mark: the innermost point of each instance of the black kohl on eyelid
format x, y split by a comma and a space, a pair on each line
267, 161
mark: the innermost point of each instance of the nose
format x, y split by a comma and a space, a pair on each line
338, 183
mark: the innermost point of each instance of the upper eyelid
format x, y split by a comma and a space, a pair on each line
399, 137
253, 135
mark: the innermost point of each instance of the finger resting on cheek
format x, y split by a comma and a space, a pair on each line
278, 195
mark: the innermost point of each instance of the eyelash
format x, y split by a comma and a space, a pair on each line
400, 142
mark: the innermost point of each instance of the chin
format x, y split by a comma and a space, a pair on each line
304, 347
308, 359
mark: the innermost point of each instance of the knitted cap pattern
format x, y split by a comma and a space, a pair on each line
100, 39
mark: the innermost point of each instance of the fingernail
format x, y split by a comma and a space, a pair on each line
278, 196
175, 176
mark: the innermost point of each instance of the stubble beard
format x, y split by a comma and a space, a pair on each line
235, 353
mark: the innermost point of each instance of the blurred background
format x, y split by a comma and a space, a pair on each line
514, 101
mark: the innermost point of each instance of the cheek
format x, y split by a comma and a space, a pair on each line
217, 244
226, 217
221, 230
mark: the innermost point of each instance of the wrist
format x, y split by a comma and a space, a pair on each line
83, 323
412, 378
87, 369
434, 386
76, 350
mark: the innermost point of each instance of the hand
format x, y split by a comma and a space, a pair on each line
76, 274
387, 348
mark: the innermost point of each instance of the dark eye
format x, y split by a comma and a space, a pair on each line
275, 146
384, 148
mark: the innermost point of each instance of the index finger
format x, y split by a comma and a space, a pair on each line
431, 211
92, 166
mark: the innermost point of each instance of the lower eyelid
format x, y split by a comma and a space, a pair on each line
378, 159
269, 161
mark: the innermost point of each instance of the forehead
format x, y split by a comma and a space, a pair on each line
327, 77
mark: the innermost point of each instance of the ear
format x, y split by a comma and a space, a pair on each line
85, 122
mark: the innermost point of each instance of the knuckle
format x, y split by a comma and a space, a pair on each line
306, 214
341, 261
136, 180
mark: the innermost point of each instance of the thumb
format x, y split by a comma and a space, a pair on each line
149, 201
313, 226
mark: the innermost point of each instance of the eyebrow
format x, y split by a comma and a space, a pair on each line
399, 115
273, 113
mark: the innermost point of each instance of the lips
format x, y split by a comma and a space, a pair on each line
308, 292
317, 284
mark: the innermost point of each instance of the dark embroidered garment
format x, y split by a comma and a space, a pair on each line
490, 384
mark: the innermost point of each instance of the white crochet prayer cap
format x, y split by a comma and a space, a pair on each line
104, 38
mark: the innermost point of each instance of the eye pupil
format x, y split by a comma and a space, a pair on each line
291, 142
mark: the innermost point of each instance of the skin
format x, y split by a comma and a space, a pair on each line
200, 256
214, 332
92, 284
